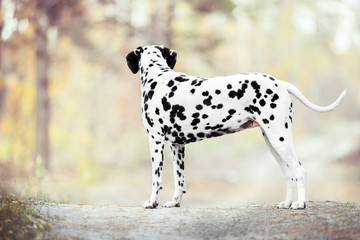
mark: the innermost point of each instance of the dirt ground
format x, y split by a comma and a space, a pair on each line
320, 220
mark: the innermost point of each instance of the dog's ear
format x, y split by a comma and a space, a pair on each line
170, 56
133, 59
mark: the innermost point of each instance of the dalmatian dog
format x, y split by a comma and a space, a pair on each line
182, 109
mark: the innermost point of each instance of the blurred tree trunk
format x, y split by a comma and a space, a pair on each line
160, 28
42, 97
129, 11
154, 27
1, 28
2, 81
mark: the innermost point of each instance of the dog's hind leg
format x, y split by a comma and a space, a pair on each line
178, 152
281, 145
289, 183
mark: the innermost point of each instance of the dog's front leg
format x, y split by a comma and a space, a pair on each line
157, 156
178, 152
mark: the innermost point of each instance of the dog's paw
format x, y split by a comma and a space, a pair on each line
284, 204
171, 204
150, 204
298, 205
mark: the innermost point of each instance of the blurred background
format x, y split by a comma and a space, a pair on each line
70, 124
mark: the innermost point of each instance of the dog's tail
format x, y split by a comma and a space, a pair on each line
296, 92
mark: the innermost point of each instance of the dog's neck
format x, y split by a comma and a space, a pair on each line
152, 66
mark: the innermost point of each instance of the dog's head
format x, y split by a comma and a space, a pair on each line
134, 57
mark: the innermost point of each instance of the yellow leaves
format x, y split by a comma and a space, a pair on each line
6, 148
86, 172
7, 125
40, 171
284, 23
17, 135
38, 237
2, 81
38, 223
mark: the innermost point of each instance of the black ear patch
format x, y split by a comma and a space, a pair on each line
133, 59
169, 55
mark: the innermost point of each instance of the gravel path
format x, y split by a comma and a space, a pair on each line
321, 220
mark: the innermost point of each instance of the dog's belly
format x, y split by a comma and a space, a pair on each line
209, 131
